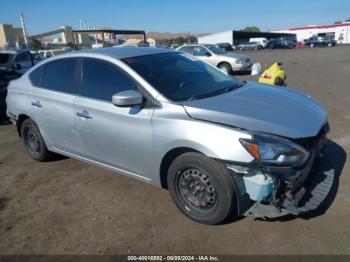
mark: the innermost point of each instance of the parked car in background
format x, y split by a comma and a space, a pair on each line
13, 64
53, 52
226, 46
221, 147
261, 40
249, 46
300, 44
278, 43
228, 62
320, 42
174, 46
36, 57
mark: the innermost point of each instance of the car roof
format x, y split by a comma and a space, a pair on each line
121, 53
194, 45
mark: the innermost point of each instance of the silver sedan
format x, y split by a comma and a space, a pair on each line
228, 62
169, 119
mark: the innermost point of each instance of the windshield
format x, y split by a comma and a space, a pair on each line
215, 49
180, 76
5, 59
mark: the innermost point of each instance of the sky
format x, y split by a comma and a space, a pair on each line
186, 16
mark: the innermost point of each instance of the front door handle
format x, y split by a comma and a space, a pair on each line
84, 114
36, 103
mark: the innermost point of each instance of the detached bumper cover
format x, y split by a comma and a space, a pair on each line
308, 198
296, 191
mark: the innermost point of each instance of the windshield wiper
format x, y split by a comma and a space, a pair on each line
233, 87
217, 92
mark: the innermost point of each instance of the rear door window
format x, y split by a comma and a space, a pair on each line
101, 79
60, 75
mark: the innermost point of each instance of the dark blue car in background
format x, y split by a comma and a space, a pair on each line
320, 42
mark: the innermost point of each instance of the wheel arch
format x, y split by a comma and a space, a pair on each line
168, 158
224, 62
20, 119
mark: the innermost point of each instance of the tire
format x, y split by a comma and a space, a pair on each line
226, 67
202, 188
33, 141
312, 45
330, 44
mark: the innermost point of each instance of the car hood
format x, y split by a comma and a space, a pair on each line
258, 107
236, 56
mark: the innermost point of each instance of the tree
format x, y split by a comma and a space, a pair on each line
251, 29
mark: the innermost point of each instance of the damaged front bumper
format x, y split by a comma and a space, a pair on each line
271, 192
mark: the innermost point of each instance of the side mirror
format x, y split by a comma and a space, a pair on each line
208, 54
127, 98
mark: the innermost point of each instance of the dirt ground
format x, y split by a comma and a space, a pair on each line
69, 207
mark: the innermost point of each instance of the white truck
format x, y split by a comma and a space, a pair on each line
261, 40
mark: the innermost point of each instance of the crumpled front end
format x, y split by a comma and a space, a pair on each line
266, 191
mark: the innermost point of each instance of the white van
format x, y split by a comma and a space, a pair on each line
261, 40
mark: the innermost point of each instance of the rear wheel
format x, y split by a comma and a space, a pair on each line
226, 67
202, 188
34, 141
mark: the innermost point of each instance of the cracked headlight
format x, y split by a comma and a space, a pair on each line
275, 151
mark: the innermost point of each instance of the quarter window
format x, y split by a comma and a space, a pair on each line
35, 76
59, 75
101, 80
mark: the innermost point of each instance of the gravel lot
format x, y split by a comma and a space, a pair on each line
69, 207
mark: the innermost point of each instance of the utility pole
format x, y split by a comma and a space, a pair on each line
24, 29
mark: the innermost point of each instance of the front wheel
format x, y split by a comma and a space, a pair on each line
202, 188
33, 141
226, 67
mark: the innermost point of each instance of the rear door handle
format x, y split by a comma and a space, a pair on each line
84, 114
36, 103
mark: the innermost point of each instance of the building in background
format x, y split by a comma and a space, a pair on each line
237, 37
339, 32
10, 36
